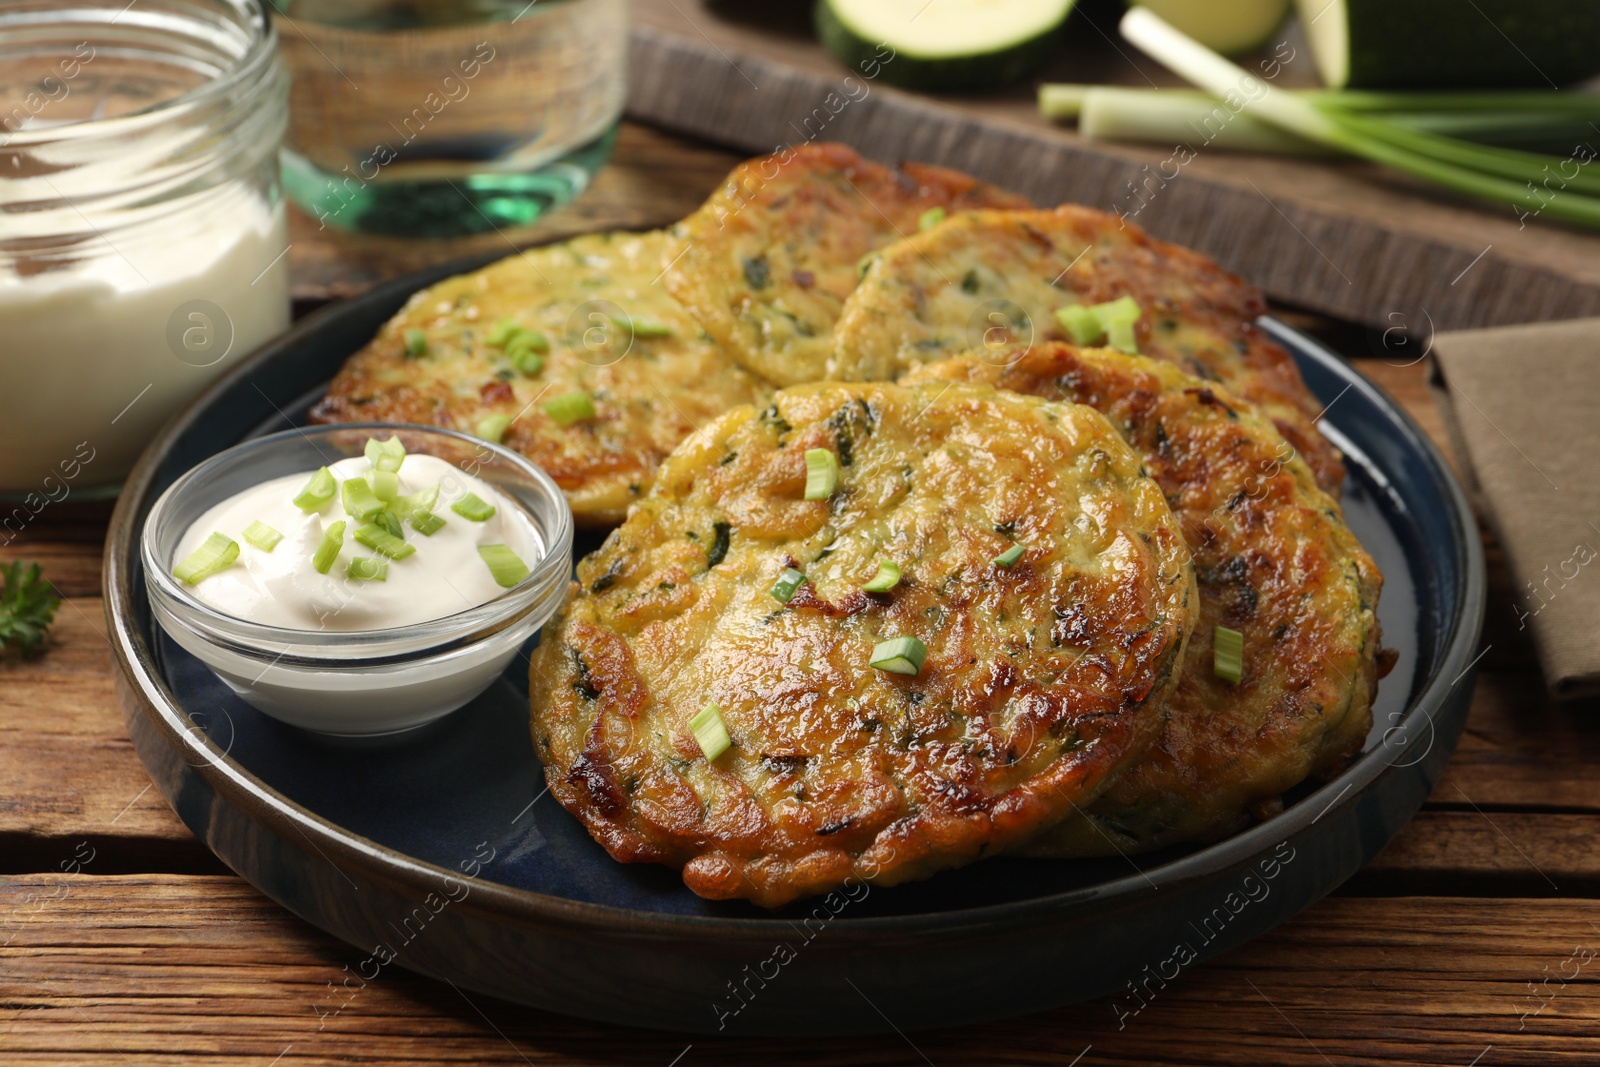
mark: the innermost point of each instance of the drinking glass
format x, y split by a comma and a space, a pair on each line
448, 117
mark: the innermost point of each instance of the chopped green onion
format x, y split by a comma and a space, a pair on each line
360, 502
385, 455
642, 327
783, 589
528, 341
262, 536
364, 569
710, 733
473, 507
318, 491
426, 523
386, 486
505, 565
383, 542
328, 551
1081, 324
1227, 654
416, 503
1111, 322
416, 344
215, 554
822, 473
887, 578
930, 218
902, 655
524, 358
502, 332
1118, 317
569, 408
1010, 556
389, 522
493, 427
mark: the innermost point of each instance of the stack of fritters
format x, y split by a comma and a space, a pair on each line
1071, 525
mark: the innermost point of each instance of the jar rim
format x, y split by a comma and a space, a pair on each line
248, 67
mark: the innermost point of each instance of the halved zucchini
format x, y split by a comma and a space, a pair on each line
942, 45
1371, 44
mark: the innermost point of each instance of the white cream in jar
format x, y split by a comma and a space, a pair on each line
445, 574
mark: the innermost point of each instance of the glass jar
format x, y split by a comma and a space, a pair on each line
142, 233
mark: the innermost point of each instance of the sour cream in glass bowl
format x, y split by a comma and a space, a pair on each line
358, 579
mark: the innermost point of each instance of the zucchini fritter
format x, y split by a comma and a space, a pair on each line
986, 277
1042, 679
1274, 561
609, 330
767, 263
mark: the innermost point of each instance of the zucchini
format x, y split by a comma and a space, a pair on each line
942, 45
1231, 27
1449, 44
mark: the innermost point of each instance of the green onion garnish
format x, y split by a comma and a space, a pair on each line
360, 502
386, 486
216, 553
383, 542
525, 340
493, 427
1118, 317
887, 578
385, 455
822, 473
710, 733
502, 332
790, 580
471, 506
262, 536
569, 408
426, 523
389, 522
1227, 654
416, 503
642, 327
318, 491
524, 357
930, 218
902, 655
328, 551
1010, 556
416, 344
505, 565
364, 569
1081, 324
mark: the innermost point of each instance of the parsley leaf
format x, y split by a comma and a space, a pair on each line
27, 606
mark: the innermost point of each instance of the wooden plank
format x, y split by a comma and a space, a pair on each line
157, 969
1346, 239
652, 179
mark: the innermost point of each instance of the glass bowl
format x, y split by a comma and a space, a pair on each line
359, 682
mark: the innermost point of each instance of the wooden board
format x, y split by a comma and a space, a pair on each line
1345, 239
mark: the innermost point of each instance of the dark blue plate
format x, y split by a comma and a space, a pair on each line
442, 853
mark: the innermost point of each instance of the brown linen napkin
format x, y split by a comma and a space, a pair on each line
1522, 404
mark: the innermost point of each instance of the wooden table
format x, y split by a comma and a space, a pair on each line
1470, 940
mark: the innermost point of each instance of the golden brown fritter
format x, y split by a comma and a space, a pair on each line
989, 278
767, 263
613, 333
1042, 679
1274, 561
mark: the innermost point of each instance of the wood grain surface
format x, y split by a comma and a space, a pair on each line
1469, 941
1346, 239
